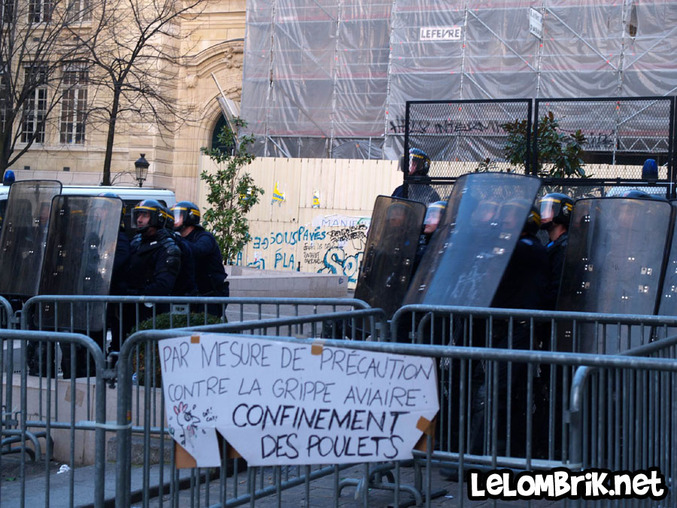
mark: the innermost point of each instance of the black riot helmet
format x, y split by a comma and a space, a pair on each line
168, 218
555, 208
187, 213
154, 210
635, 193
124, 208
420, 160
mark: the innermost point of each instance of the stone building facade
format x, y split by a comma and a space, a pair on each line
213, 52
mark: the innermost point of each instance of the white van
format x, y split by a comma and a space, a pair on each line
130, 195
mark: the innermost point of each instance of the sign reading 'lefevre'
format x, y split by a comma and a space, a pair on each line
440, 33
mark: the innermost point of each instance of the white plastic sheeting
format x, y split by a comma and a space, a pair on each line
330, 78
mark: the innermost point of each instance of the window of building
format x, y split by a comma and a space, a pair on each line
35, 109
40, 11
74, 104
216, 143
79, 11
6, 11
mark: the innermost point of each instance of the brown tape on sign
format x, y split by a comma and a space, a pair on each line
423, 425
316, 348
184, 460
428, 428
195, 339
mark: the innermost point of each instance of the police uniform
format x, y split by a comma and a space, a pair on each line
420, 191
210, 275
153, 265
522, 286
185, 280
556, 251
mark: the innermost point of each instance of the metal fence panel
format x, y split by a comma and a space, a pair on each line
463, 136
52, 426
617, 129
622, 419
498, 433
581, 417
127, 314
141, 400
524, 409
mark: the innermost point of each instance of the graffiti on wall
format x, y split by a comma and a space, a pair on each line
330, 244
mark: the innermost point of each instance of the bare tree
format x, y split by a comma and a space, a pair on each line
35, 52
134, 56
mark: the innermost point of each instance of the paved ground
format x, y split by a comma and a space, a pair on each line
76, 488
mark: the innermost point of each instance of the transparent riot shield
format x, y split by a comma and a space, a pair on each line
668, 297
470, 250
81, 243
386, 269
613, 265
23, 236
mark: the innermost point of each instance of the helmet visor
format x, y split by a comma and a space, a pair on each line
178, 213
549, 208
142, 217
433, 215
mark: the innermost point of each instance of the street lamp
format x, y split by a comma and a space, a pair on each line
141, 168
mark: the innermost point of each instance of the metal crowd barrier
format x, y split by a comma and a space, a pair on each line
236, 309
6, 314
502, 406
141, 400
491, 448
546, 388
625, 420
110, 319
48, 421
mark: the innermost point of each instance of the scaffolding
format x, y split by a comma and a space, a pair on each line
331, 78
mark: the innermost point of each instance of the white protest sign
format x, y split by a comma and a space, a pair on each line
281, 403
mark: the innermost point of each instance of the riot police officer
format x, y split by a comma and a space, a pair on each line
420, 189
210, 274
525, 279
155, 259
555, 209
185, 280
522, 286
154, 262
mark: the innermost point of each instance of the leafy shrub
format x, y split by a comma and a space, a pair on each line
559, 154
